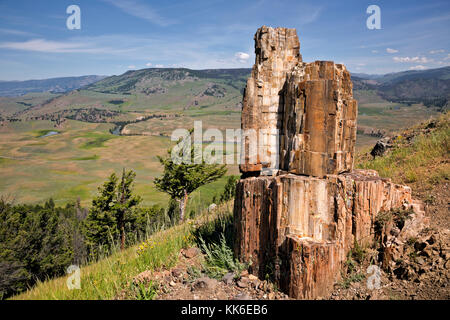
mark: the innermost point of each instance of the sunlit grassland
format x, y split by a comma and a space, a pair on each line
392, 116
108, 277
424, 160
11, 105
75, 162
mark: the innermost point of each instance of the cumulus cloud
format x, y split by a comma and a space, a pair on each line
159, 66
374, 51
42, 45
242, 56
412, 59
132, 67
418, 67
17, 32
437, 51
390, 50
149, 64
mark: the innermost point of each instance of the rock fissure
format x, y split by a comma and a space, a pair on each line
312, 206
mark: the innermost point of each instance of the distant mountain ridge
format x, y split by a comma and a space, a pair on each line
430, 87
54, 85
139, 81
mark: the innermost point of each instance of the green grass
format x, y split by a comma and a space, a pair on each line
93, 157
105, 279
409, 162
113, 275
220, 258
97, 140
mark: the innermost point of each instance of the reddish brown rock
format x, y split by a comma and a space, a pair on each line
297, 214
318, 133
301, 228
277, 51
309, 105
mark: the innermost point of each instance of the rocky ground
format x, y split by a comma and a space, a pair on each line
422, 272
187, 281
419, 269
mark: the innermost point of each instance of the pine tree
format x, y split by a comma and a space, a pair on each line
180, 180
125, 201
110, 211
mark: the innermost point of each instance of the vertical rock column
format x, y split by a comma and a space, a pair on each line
319, 120
277, 51
297, 224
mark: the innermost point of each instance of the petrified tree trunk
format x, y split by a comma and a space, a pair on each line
301, 228
297, 215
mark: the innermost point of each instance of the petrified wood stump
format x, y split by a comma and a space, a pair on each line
299, 229
298, 214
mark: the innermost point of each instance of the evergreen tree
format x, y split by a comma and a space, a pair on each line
125, 201
33, 245
110, 211
179, 180
230, 189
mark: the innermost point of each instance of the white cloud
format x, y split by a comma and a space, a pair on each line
42, 45
17, 32
374, 51
418, 67
90, 45
389, 50
132, 67
141, 10
412, 59
159, 66
149, 64
437, 51
242, 57
447, 57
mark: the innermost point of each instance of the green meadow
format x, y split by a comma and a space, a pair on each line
77, 160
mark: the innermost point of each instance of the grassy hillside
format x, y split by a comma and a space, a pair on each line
430, 87
419, 158
55, 85
112, 276
152, 89
76, 161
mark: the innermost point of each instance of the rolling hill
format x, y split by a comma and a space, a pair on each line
54, 85
430, 87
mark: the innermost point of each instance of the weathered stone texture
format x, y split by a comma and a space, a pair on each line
277, 51
298, 215
318, 133
302, 227
310, 105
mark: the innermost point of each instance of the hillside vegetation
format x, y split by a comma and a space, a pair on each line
430, 87
113, 276
54, 85
419, 157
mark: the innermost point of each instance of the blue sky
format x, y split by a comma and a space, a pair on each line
119, 35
